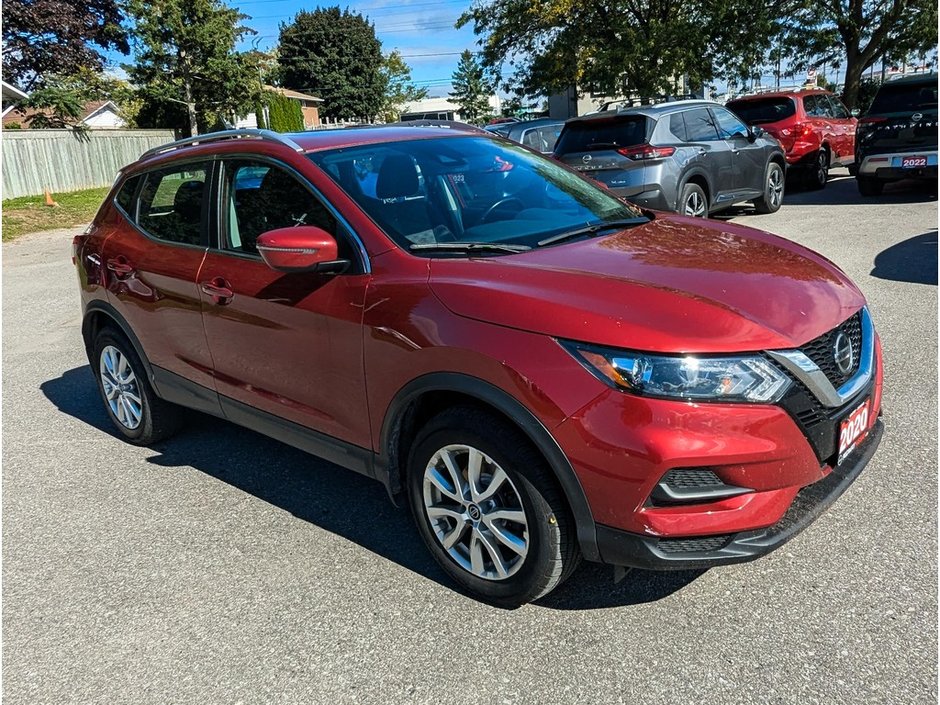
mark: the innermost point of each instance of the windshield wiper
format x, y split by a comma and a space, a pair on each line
469, 247
592, 229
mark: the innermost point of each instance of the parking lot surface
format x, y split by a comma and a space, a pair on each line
223, 567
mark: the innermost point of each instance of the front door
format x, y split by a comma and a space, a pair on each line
287, 344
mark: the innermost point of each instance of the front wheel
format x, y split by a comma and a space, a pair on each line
488, 508
772, 199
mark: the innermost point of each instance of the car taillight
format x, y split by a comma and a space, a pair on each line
791, 135
646, 151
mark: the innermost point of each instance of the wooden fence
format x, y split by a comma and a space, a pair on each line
65, 160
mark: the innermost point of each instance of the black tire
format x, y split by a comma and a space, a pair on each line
158, 419
869, 185
552, 553
853, 169
818, 173
774, 188
692, 201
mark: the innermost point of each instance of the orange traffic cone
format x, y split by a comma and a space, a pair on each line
49, 201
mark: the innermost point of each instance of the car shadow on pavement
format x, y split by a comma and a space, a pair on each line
843, 190
914, 260
319, 492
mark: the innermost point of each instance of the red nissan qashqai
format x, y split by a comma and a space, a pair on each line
538, 369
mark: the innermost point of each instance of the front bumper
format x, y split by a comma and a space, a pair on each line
628, 549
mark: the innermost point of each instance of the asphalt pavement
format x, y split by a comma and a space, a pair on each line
224, 567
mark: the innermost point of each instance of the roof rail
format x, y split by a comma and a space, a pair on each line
224, 135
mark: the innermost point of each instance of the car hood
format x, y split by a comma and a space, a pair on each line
674, 284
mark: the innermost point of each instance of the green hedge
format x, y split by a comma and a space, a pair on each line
285, 114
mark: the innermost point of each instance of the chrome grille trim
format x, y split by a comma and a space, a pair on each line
808, 372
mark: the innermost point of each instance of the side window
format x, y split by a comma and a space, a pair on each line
677, 127
816, 106
839, 110
125, 197
728, 125
700, 126
262, 197
172, 203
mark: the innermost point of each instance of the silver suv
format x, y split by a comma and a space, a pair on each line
690, 156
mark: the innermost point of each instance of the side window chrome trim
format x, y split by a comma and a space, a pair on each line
340, 218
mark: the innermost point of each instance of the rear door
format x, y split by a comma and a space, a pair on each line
287, 344
819, 115
591, 145
713, 153
152, 265
844, 126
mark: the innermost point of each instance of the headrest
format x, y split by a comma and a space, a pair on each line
398, 177
188, 199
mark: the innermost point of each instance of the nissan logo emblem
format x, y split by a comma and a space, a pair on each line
843, 353
916, 116
586, 158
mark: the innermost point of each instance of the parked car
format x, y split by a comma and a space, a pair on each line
815, 129
897, 138
540, 134
538, 369
690, 156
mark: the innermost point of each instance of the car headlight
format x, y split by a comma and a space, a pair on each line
748, 378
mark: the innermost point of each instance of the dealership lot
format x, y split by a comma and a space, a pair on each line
222, 566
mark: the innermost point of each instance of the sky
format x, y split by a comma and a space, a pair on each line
423, 31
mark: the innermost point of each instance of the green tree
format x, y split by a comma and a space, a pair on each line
335, 56
399, 89
185, 53
45, 38
860, 32
284, 114
621, 47
62, 99
471, 89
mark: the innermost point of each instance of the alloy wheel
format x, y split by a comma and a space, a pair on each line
695, 205
775, 187
120, 387
475, 512
822, 167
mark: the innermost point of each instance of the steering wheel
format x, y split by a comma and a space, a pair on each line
520, 206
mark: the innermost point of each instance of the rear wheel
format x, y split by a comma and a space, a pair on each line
488, 508
693, 201
774, 182
138, 414
818, 174
869, 186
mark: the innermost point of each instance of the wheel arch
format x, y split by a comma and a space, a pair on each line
695, 175
423, 397
100, 314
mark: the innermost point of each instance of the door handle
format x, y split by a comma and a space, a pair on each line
219, 290
120, 266
703, 152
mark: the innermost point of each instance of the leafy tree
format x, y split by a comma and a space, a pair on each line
860, 32
399, 89
334, 55
185, 53
471, 89
61, 100
622, 47
43, 38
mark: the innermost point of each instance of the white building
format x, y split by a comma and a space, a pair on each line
441, 108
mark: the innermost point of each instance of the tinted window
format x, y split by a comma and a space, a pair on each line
700, 126
817, 106
125, 197
763, 110
542, 138
467, 189
172, 203
839, 110
904, 97
262, 197
728, 125
587, 135
677, 127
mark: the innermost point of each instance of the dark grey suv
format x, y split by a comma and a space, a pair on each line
690, 156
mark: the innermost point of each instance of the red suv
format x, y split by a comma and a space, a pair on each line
539, 369
813, 126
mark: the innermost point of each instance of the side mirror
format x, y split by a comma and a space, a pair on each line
302, 249
754, 133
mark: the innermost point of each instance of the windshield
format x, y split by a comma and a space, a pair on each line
762, 110
904, 98
467, 190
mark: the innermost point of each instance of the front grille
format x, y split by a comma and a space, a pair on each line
820, 350
694, 545
691, 478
